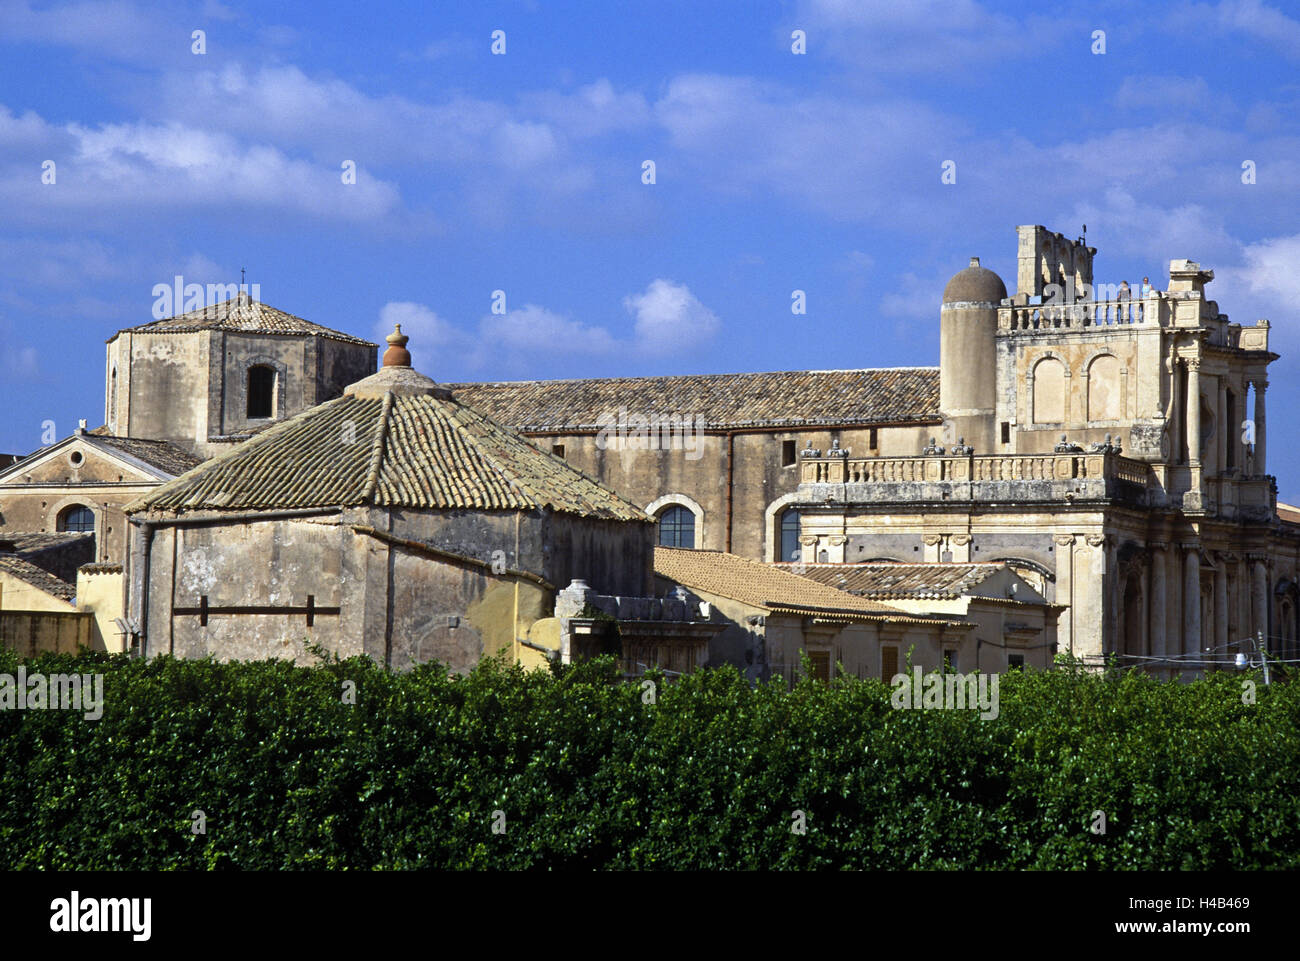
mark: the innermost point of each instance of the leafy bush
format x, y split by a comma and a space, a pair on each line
589, 772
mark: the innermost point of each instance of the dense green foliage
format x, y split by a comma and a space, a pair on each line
589, 775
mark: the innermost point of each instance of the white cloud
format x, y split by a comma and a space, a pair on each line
127, 167
1160, 93
669, 318
935, 36
533, 331
1255, 19
430, 334
529, 339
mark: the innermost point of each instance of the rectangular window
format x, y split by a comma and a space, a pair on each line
1016, 661
875, 439
950, 658
1006, 432
558, 450
787, 453
888, 663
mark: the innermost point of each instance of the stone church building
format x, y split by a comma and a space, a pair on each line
1108, 447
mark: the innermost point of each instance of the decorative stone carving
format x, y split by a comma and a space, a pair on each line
1097, 540
961, 448
1065, 447
810, 451
1106, 447
836, 450
932, 539
961, 540
931, 449
1063, 540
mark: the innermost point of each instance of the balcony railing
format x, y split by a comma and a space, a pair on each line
1084, 314
971, 467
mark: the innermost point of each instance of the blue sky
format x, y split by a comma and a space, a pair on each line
523, 173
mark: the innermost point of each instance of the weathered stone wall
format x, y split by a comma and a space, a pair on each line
167, 387
32, 633
760, 479
399, 602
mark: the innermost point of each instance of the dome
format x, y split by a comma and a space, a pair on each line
975, 284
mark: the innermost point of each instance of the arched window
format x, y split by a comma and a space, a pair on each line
1103, 388
677, 527
77, 518
790, 535
261, 391
1049, 392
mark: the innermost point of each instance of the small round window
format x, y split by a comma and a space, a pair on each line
76, 458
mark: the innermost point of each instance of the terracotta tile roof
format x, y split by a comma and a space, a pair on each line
242, 314
722, 401
37, 577
165, 456
25, 544
409, 450
895, 580
765, 585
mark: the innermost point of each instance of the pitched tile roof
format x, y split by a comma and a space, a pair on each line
25, 544
765, 585
242, 314
37, 577
896, 580
721, 401
396, 449
165, 456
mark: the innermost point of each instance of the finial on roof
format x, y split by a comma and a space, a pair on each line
397, 355
974, 261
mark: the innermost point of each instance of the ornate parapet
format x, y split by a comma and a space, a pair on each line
1089, 475
1084, 315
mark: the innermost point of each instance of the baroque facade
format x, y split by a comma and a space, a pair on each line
1108, 445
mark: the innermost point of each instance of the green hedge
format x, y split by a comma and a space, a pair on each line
589, 775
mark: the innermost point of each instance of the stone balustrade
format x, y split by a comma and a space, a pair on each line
971, 467
1085, 314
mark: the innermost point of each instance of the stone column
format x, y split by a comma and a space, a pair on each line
1259, 593
1065, 591
1220, 604
1191, 599
1159, 601
1194, 419
1261, 384
1225, 430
